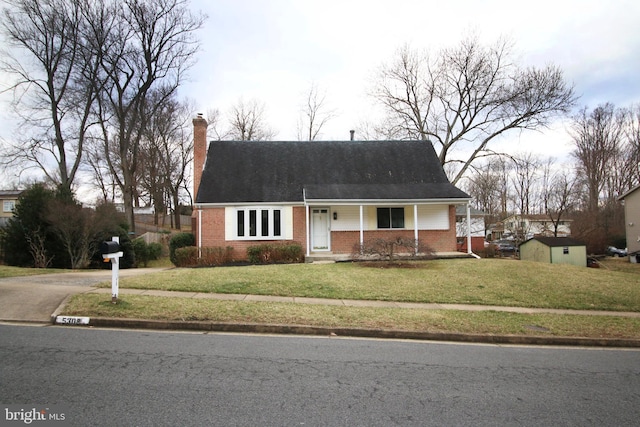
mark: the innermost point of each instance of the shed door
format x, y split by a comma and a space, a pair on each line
320, 230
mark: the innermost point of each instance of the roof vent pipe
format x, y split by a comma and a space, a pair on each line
352, 132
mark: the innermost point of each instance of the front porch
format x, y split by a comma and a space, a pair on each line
334, 228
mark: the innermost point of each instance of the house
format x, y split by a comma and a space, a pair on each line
631, 200
526, 226
475, 227
328, 196
496, 231
554, 250
8, 198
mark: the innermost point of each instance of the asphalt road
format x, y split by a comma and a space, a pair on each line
147, 378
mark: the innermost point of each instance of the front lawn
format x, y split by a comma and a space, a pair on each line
464, 281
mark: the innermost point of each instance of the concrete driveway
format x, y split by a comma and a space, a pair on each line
35, 298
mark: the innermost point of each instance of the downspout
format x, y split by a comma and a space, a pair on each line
468, 228
307, 225
308, 229
199, 233
415, 229
469, 251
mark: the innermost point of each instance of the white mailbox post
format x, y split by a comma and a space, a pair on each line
111, 252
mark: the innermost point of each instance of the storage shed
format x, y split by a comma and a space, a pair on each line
554, 250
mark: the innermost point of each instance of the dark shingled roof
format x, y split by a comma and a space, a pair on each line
557, 241
284, 171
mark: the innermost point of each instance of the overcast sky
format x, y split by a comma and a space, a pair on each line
273, 50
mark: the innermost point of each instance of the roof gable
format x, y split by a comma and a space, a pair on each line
292, 171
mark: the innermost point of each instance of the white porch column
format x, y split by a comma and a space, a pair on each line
308, 226
469, 229
361, 227
415, 227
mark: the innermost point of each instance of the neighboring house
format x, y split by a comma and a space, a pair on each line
496, 231
527, 226
554, 250
328, 196
477, 229
631, 200
8, 198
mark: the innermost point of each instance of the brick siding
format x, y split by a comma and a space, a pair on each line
342, 242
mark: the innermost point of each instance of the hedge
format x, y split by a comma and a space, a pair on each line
180, 240
270, 253
210, 257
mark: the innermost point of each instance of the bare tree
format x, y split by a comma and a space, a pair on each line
167, 148
597, 136
55, 84
467, 95
150, 46
247, 122
559, 197
178, 156
215, 128
37, 248
313, 115
75, 227
630, 153
502, 167
484, 186
524, 180
95, 164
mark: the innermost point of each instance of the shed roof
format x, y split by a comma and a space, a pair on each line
626, 194
556, 241
298, 171
10, 193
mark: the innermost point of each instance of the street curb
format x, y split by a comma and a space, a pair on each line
60, 308
359, 332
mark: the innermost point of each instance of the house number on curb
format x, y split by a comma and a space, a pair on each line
72, 320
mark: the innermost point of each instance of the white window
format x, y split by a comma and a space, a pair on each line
259, 223
8, 206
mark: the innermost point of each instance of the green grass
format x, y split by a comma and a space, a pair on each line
463, 281
8, 271
451, 321
616, 286
163, 262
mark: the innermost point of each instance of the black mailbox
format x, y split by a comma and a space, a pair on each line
109, 247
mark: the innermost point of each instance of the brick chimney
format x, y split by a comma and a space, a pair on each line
199, 150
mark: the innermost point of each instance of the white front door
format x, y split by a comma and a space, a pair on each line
320, 229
